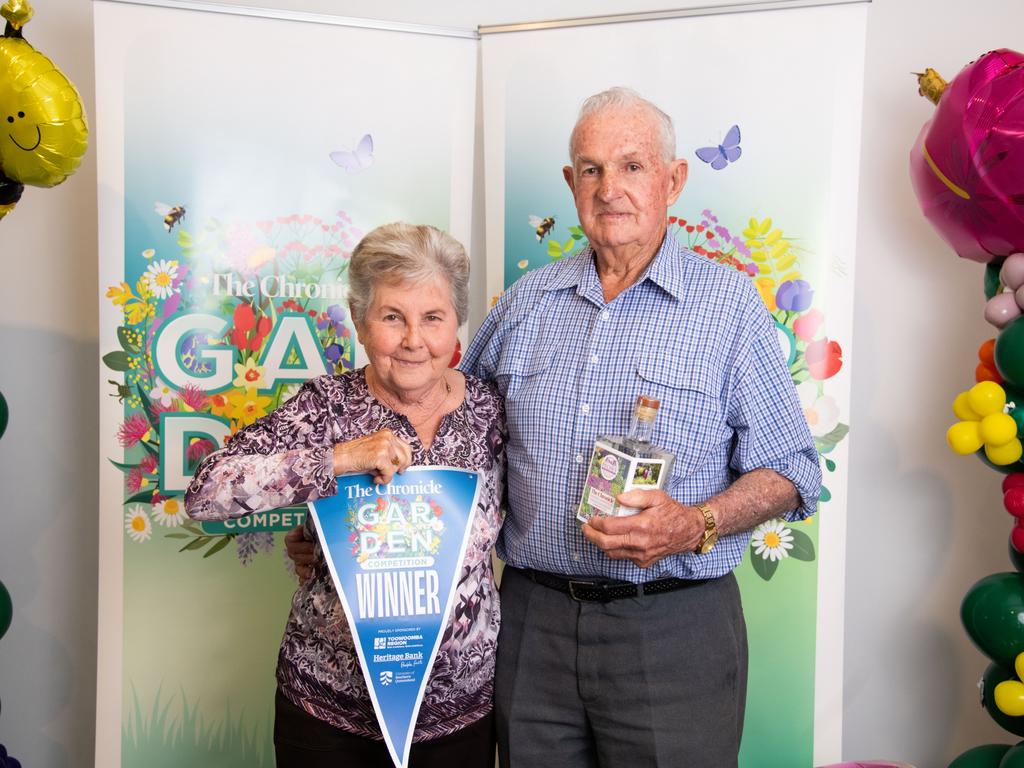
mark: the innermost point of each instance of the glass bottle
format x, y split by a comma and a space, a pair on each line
624, 463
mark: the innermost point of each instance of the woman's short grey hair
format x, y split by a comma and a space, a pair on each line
407, 253
619, 98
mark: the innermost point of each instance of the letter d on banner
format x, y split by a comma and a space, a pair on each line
395, 554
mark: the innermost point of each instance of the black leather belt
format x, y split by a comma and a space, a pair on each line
597, 590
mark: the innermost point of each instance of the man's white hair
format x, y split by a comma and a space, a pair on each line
619, 98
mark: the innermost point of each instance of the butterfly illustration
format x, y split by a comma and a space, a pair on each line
727, 152
359, 159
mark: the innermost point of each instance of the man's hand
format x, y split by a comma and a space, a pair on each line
301, 552
662, 527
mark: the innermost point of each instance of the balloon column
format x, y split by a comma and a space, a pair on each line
40, 112
6, 608
967, 169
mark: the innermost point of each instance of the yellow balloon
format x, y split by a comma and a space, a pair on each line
962, 408
1001, 455
1018, 665
40, 111
1009, 698
998, 428
986, 397
964, 437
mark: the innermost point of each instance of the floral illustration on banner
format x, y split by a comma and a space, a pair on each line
769, 258
275, 291
388, 528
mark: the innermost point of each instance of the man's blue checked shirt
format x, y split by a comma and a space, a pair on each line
689, 332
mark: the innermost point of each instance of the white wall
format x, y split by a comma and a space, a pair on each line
923, 525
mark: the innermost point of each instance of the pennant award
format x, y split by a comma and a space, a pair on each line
395, 553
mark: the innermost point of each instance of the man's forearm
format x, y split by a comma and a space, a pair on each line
754, 497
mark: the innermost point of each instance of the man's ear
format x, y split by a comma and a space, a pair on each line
569, 178
678, 173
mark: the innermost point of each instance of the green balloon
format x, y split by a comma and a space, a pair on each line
1005, 469
1014, 758
1009, 352
992, 282
986, 756
6, 609
993, 676
992, 612
3, 414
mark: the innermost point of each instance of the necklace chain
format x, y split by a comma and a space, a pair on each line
379, 394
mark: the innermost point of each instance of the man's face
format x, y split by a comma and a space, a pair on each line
622, 185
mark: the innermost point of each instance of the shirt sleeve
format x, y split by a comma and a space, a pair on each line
765, 413
285, 458
481, 359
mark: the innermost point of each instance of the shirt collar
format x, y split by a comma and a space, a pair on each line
666, 270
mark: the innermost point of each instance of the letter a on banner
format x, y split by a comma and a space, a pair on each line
395, 552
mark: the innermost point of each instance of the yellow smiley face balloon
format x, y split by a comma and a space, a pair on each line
43, 133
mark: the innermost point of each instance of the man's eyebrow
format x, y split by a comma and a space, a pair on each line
628, 157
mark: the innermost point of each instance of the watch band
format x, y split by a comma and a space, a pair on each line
710, 536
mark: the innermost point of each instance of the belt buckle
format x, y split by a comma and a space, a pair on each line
572, 590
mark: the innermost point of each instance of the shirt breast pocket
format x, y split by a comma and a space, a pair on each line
519, 372
691, 422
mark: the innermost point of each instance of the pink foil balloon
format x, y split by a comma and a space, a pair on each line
967, 165
1012, 272
1001, 309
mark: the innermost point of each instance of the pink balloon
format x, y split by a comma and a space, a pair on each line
1001, 309
1019, 296
967, 165
1012, 273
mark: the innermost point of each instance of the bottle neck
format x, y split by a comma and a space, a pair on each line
641, 430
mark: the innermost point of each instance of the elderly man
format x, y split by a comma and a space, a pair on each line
622, 640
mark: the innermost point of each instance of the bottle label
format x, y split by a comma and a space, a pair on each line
612, 472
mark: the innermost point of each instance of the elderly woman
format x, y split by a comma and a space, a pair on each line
408, 294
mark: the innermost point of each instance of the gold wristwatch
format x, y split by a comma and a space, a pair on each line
710, 535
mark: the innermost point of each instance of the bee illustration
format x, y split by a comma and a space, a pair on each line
542, 226
172, 214
123, 390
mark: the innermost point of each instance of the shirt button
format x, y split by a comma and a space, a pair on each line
579, 458
576, 556
593, 359
585, 408
604, 315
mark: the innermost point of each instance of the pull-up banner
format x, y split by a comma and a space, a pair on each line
395, 553
773, 155
228, 210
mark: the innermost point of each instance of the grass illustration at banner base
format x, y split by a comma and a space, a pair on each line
156, 738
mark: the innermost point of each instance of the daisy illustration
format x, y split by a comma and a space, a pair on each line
169, 512
772, 540
136, 523
160, 276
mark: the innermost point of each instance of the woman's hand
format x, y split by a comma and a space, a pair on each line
382, 454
